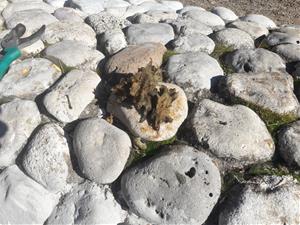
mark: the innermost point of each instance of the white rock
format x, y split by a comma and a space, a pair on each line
254, 29
113, 41
47, 159
174, 5
102, 156
3, 4
68, 14
69, 30
153, 5
23, 201
29, 78
260, 19
277, 38
115, 3
87, 6
67, 100
289, 52
74, 54
190, 8
155, 17
56, 3
88, 203
20, 118
205, 17
226, 14
137, 2
33, 49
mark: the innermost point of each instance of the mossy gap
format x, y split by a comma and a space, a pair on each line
219, 53
167, 55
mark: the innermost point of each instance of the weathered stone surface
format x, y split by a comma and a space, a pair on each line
28, 78
23, 201
193, 43
179, 186
102, 156
19, 119
113, 41
151, 32
205, 17
289, 52
255, 30
278, 38
47, 159
226, 14
273, 91
130, 59
103, 21
155, 17
289, 143
56, 3
68, 14
154, 5
259, 19
268, 200
234, 133
234, 38
193, 72
256, 60
190, 8
88, 203
68, 30
87, 6
68, 98
74, 54
131, 118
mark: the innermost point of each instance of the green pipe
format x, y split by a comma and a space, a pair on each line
11, 54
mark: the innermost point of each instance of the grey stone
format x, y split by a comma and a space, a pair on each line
205, 17
113, 41
259, 19
155, 17
233, 133
268, 200
74, 54
68, 98
103, 21
101, 150
115, 3
143, 33
289, 29
226, 14
194, 72
133, 219
87, 203
256, 60
173, 5
69, 30
289, 144
56, 3
47, 159
87, 6
253, 29
233, 38
154, 5
193, 43
68, 14
190, 8
277, 38
28, 78
20, 118
289, 52
179, 186
273, 91
23, 201
131, 118
137, 2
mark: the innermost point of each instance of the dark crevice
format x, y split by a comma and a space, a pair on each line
191, 172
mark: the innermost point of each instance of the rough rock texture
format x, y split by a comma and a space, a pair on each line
101, 149
130, 59
113, 41
181, 185
19, 119
231, 132
68, 98
273, 91
194, 72
270, 200
289, 52
259, 19
277, 38
155, 16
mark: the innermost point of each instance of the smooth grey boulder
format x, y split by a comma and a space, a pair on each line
166, 6
259, 19
56, 3
273, 90
46, 159
74, 54
181, 185
19, 118
69, 97
113, 41
87, 6
173, 5
69, 30
232, 133
226, 14
266, 200
156, 16
278, 38
289, 143
233, 38
87, 203
23, 201
151, 32
101, 150
103, 21
289, 52
256, 60
193, 72
190, 8
68, 14
205, 17
193, 43
28, 78
253, 29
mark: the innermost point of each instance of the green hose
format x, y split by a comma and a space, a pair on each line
11, 54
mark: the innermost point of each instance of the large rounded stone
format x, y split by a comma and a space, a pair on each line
87, 6
130, 59
113, 41
277, 38
68, 14
205, 17
289, 52
155, 16
101, 149
226, 14
259, 19
179, 186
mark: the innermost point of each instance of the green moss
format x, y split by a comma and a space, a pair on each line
218, 54
167, 55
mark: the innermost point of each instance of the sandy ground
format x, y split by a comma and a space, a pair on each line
281, 11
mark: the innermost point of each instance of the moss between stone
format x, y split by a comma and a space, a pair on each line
167, 55
218, 53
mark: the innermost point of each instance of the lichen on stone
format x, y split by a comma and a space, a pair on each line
150, 98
